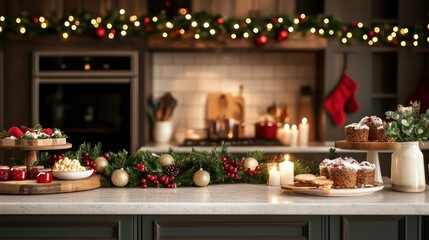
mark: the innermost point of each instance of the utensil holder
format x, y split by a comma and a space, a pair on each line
163, 131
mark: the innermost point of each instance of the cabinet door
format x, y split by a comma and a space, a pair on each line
375, 227
66, 227
232, 227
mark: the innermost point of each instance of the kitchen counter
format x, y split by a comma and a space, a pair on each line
312, 148
223, 199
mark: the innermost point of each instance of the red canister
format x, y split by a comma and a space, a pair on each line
44, 176
18, 173
266, 130
34, 171
4, 173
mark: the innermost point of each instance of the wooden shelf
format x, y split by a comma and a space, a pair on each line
295, 41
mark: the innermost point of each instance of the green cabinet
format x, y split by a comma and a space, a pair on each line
169, 227
375, 227
66, 227
232, 227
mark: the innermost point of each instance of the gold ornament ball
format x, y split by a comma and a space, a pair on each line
120, 178
100, 164
201, 178
166, 160
250, 163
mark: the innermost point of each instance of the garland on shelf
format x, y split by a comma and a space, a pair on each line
203, 25
172, 169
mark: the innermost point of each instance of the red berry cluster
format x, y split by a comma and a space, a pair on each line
168, 181
54, 158
88, 162
106, 156
232, 167
253, 172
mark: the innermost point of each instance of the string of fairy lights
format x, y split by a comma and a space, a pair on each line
203, 25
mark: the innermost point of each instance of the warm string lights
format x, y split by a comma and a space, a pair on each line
203, 25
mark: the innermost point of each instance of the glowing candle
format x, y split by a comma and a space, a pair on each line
274, 178
294, 136
304, 131
287, 171
286, 134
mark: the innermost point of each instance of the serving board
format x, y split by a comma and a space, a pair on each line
334, 192
368, 146
57, 186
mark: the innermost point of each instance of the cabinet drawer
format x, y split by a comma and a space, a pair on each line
232, 227
380, 227
65, 227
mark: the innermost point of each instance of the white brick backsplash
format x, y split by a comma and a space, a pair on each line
258, 98
208, 85
195, 71
163, 85
252, 85
230, 85
184, 58
241, 71
263, 71
185, 85
305, 71
285, 71
194, 111
218, 71
172, 71
228, 58
206, 58
157, 71
266, 77
196, 123
195, 98
274, 85
162, 58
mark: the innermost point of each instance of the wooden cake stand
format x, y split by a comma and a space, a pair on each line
31, 155
57, 186
372, 149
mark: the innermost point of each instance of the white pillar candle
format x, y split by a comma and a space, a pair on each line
280, 133
304, 132
287, 171
286, 134
294, 136
274, 178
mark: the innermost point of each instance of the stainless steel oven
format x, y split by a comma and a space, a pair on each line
91, 96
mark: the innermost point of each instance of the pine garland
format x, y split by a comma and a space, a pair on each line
187, 163
202, 25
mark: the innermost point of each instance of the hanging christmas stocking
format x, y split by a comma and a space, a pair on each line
352, 104
421, 93
336, 101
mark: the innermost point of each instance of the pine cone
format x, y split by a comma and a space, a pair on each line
172, 170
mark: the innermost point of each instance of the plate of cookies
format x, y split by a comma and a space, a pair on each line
338, 177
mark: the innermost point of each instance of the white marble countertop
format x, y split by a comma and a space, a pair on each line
312, 148
225, 199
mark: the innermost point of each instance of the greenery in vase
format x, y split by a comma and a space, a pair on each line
408, 124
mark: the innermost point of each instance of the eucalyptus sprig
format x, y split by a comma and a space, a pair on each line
408, 123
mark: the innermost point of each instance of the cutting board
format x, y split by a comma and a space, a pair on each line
224, 105
57, 186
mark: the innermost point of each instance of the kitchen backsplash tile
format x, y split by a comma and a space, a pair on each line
266, 78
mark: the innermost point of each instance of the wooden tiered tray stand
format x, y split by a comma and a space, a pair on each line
57, 186
372, 149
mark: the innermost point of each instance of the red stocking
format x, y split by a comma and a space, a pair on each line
336, 101
352, 105
421, 93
